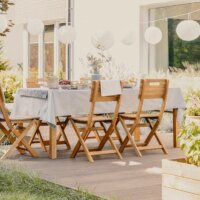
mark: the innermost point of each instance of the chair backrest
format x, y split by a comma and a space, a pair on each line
97, 97
153, 89
4, 110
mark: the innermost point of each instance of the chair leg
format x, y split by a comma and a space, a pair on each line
19, 140
59, 136
159, 141
129, 138
7, 133
21, 135
118, 135
156, 136
97, 136
106, 138
41, 140
124, 144
80, 143
32, 138
115, 147
152, 133
116, 131
2, 139
63, 134
10, 137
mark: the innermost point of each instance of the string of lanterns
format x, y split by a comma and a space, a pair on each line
186, 30
66, 34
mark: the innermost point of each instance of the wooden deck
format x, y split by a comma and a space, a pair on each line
132, 178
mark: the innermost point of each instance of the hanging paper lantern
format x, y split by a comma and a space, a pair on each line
129, 38
67, 34
103, 40
3, 23
35, 27
153, 35
188, 30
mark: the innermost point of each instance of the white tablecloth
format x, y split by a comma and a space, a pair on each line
76, 102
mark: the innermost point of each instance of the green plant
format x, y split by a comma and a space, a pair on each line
192, 99
17, 184
180, 50
96, 62
190, 143
4, 7
10, 82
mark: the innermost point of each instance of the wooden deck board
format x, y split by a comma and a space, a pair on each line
131, 178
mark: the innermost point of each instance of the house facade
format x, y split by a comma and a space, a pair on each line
45, 54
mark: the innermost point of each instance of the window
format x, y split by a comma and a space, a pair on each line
33, 46
62, 55
49, 55
49, 50
172, 51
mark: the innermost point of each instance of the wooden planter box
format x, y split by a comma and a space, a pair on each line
180, 181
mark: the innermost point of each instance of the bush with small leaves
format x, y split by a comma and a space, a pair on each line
190, 143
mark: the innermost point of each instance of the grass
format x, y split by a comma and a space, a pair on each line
16, 184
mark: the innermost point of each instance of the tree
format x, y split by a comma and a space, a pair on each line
181, 51
4, 7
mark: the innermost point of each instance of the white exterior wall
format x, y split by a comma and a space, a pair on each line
47, 10
105, 13
13, 45
22, 12
119, 16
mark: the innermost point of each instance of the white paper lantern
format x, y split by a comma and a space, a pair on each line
153, 35
103, 40
35, 27
3, 23
188, 30
129, 38
67, 34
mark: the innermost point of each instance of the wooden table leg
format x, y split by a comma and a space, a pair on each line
176, 127
52, 143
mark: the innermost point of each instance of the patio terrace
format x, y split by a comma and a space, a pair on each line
131, 178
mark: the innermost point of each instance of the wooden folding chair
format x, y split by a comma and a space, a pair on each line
61, 137
115, 136
62, 125
37, 136
15, 134
2, 120
90, 125
150, 89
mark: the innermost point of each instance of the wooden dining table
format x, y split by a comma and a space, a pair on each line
51, 103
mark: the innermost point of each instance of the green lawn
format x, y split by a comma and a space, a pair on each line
18, 185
